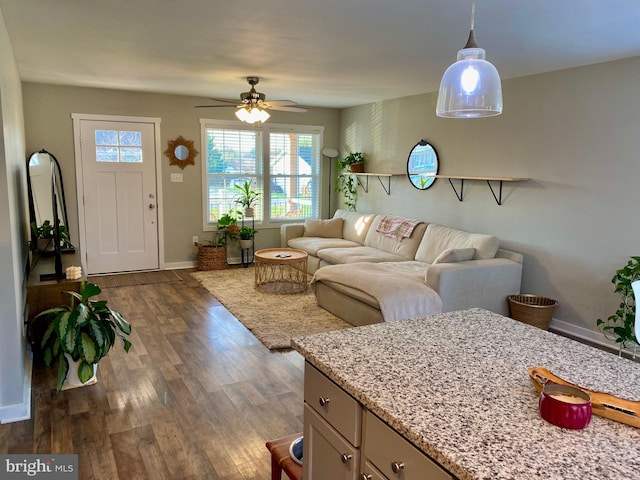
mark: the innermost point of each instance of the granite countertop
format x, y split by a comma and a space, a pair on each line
456, 386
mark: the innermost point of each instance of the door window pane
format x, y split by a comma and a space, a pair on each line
119, 146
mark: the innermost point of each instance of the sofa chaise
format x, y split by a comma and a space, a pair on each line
369, 268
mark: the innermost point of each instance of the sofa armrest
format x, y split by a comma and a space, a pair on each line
475, 283
289, 231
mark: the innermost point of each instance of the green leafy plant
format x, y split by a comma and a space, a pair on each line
246, 233
228, 222
85, 330
620, 325
352, 158
45, 231
247, 197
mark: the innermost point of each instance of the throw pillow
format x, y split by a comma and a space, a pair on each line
331, 228
451, 255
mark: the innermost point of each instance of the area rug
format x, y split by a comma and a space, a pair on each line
138, 278
273, 318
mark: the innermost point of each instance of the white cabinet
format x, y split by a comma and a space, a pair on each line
340, 445
396, 458
332, 429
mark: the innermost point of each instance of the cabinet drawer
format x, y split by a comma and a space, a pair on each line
332, 403
387, 450
327, 456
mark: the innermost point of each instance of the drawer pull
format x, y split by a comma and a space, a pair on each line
364, 476
397, 466
324, 401
345, 458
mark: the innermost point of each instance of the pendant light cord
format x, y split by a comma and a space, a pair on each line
471, 42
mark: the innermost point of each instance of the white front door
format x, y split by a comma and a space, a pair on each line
120, 196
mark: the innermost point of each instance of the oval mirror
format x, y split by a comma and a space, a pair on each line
422, 165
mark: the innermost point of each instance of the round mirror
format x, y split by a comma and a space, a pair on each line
422, 165
181, 152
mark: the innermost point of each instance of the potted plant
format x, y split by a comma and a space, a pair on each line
354, 162
43, 236
229, 222
246, 235
78, 335
620, 325
247, 198
346, 181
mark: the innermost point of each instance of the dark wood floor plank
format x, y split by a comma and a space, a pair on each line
197, 397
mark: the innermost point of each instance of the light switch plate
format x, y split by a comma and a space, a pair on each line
176, 177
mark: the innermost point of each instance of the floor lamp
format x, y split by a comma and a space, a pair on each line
330, 153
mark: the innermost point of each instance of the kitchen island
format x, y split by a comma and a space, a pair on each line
455, 386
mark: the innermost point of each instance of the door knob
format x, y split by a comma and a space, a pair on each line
152, 206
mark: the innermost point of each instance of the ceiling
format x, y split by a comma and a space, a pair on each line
329, 53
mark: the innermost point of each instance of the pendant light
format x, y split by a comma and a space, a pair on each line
470, 88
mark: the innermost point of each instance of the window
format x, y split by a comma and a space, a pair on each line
281, 161
118, 146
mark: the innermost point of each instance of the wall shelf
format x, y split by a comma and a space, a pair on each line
379, 176
500, 180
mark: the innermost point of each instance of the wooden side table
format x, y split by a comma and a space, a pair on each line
281, 270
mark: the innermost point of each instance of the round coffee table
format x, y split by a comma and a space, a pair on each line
281, 270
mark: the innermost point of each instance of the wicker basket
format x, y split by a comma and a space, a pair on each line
532, 309
211, 257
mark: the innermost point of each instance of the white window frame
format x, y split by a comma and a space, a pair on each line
266, 130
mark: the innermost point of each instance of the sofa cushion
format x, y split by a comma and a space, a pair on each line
451, 255
356, 225
437, 239
312, 245
358, 254
406, 247
331, 228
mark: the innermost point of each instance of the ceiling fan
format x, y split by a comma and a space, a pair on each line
253, 105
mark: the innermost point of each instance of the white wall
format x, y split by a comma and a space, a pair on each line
15, 366
575, 133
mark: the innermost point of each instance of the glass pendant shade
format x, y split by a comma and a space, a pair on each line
252, 115
470, 87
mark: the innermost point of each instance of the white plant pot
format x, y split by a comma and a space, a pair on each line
245, 244
72, 375
248, 212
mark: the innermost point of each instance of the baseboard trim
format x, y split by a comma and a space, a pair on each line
589, 336
20, 411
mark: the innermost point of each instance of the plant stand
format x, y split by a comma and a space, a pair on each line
247, 254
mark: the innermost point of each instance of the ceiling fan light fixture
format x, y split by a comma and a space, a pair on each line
252, 115
471, 87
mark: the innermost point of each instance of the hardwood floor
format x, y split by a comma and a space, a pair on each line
197, 396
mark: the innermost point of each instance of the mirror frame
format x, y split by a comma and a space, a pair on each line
173, 145
422, 143
59, 208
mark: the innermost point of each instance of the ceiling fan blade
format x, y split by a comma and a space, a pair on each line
296, 109
224, 100
216, 106
281, 103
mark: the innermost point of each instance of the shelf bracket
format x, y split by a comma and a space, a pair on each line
459, 195
387, 187
498, 198
364, 186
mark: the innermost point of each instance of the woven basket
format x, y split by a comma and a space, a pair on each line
356, 168
532, 309
212, 258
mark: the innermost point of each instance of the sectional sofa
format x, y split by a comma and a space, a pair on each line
369, 268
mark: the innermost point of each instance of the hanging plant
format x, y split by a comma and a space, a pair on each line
346, 181
620, 325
